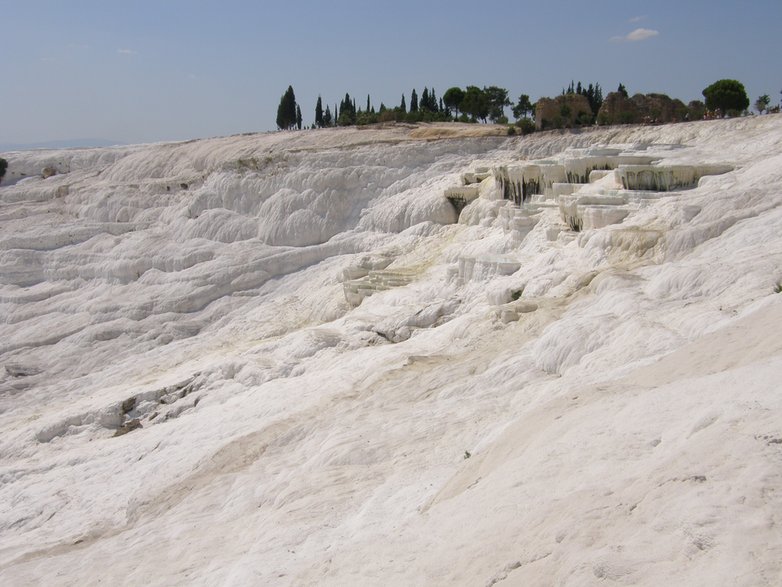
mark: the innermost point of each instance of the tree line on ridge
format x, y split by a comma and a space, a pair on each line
577, 105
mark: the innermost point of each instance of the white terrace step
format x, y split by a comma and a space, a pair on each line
664, 178
483, 267
517, 219
374, 281
460, 196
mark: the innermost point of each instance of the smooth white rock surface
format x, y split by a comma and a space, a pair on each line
610, 412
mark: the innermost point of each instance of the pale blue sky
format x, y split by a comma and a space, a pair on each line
136, 71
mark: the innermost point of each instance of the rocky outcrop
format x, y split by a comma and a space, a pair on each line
659, 108
641, 108
617, 108
48, 172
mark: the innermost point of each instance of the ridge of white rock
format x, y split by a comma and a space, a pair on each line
288, 359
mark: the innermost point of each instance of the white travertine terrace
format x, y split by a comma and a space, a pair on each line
664, 178
622, 174
284, 359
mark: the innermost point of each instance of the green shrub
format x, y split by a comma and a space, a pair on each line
387, 116
696, 109
584, 119
627, 118
526, 126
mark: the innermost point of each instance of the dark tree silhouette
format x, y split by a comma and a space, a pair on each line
497, 100
413, 101
523, 107
286, 111
453, 99
726, 95
475, 103
319, 114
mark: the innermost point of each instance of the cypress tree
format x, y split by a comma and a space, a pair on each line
291, 107
425, 99
298, 117
327, 116
319, 113
347, 111
282, 123
413, 101
286, 111
368, 106
402, 106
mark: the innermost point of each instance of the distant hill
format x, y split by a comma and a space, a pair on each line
60, 144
